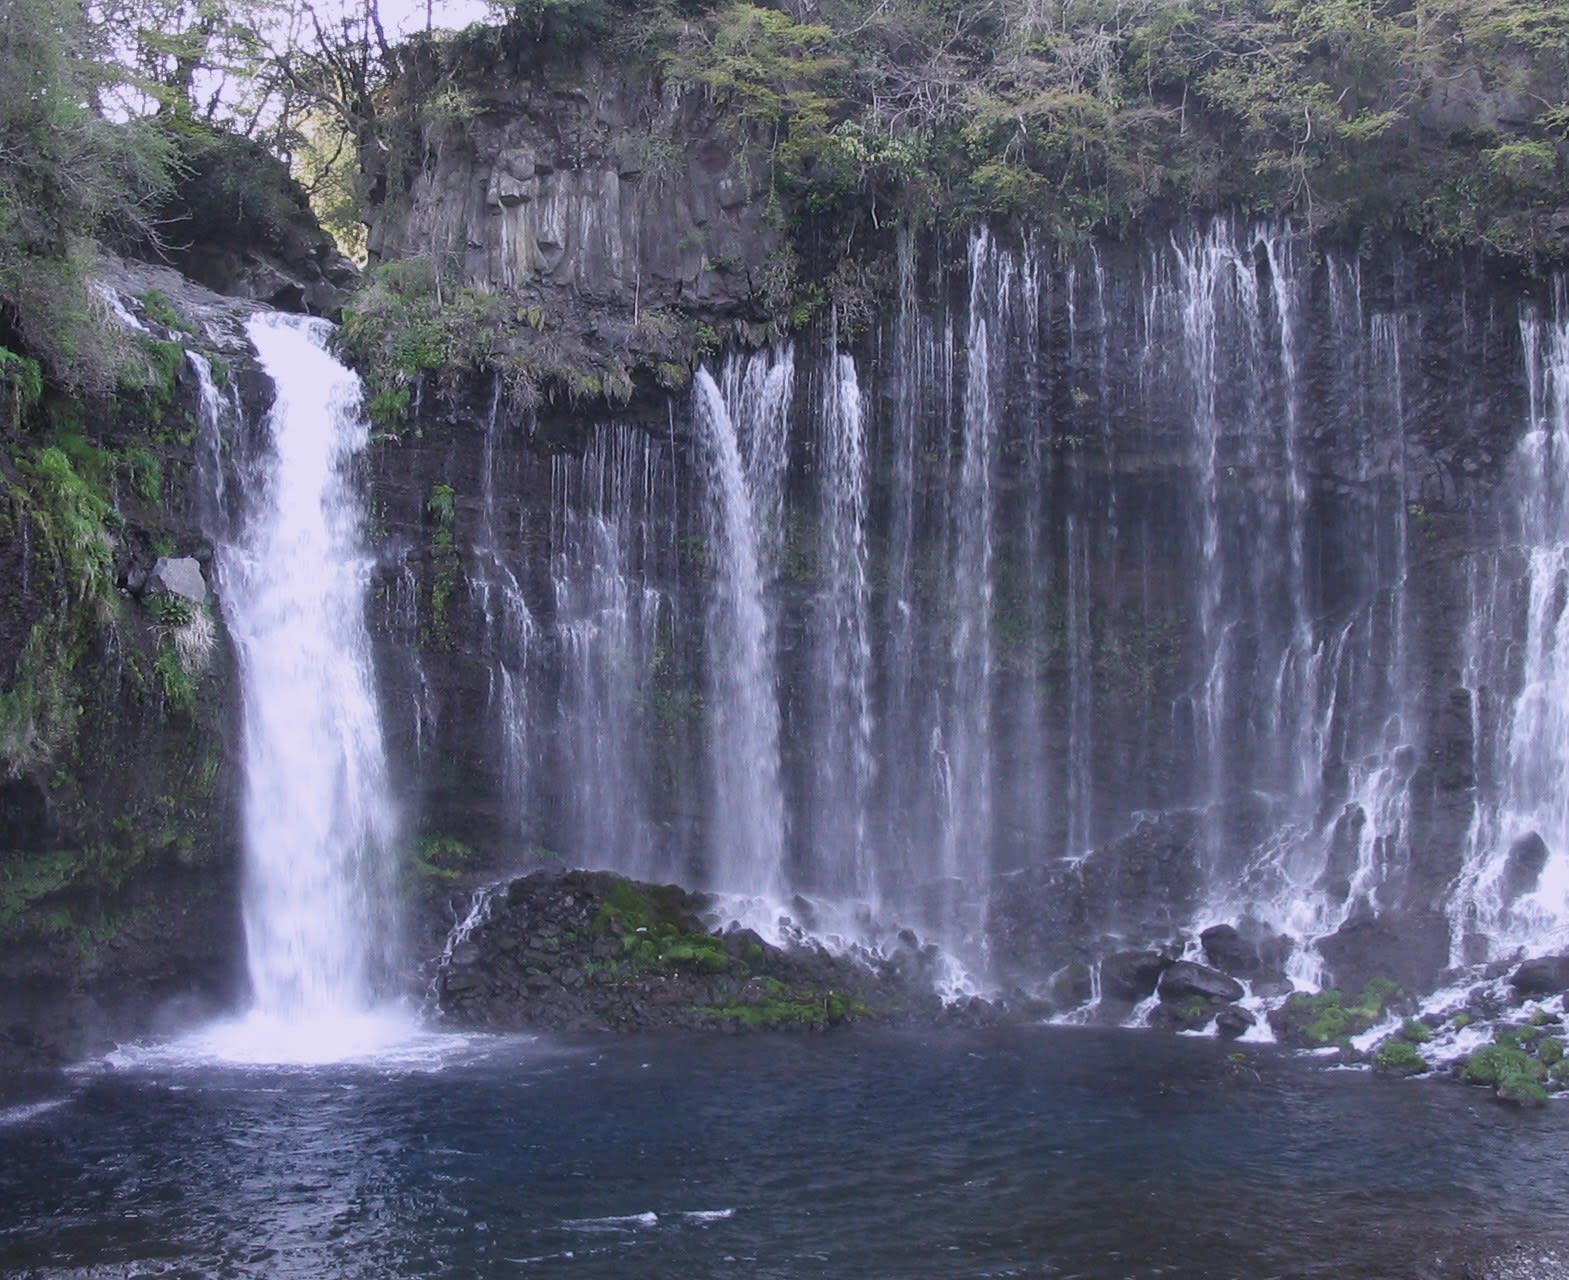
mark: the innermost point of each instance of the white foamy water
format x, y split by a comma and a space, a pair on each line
388, 1039
748, 833
319, 827
1512, 894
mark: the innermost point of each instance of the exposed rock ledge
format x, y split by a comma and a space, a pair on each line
589, 950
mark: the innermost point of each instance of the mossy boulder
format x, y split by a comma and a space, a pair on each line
1329, 1018
590, 950
1398, 1057
1510, 1071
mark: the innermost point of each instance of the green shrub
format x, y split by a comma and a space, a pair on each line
21, 386
1398, 1057
76, 519
169, 610
1514, 1074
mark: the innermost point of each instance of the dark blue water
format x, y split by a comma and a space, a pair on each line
1031, 1152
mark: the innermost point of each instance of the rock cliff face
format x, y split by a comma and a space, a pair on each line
1054, 604
564, 179
1187, 527
118, 867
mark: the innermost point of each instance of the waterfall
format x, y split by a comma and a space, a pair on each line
1088, 585
906, 719
747, 816
1512, 893
841, 750
510, 636
967, 746
319, 828
607, 622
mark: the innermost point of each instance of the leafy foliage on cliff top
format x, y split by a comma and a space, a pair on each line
68, 177
1445, 117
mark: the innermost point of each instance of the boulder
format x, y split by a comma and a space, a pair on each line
1411, 947
1247, 950
178, 577
1233, 1021
590, 950
1523, 867
1185, 979
1541, 976
1131, 975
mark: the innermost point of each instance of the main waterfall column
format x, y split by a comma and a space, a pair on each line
318, 822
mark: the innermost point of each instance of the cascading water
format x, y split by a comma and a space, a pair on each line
841, 730
319, 827
1512, 894
966, 745
510, 633
747, 823
607, 620
1076, 621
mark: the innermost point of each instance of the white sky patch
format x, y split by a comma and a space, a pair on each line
405, 17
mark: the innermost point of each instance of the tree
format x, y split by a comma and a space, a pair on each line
67, 177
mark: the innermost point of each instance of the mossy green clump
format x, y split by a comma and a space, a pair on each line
178, 685
670, 947
26, 879
1550, 1051
656, 935
169, 610
1328, 1019
407, 324
76, 518
1413, 1031
801, 1010
21, 386
442, 859
1514, 1075
159, 308
441, 507
1397, 1057
1328, 1022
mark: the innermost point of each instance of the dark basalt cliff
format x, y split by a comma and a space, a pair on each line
1156, 597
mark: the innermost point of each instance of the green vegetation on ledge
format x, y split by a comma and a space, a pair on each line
1444, 119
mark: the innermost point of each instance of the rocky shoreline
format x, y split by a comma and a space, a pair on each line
593, 951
